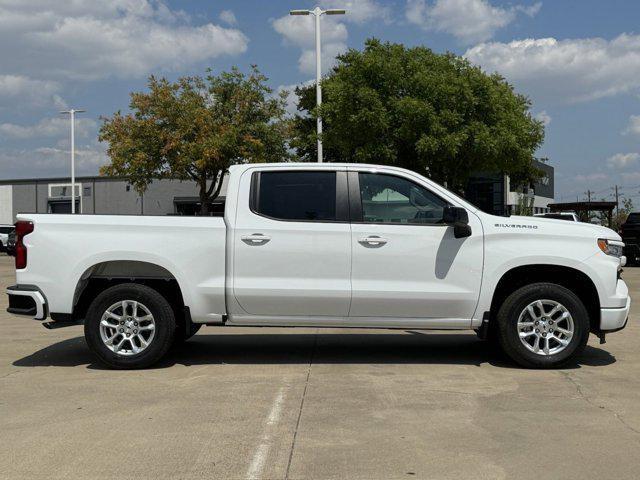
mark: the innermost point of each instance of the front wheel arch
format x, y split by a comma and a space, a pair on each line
567, 277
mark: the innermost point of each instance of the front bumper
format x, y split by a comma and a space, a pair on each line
27, 300
613, 319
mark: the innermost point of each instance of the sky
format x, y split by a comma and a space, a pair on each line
577, 60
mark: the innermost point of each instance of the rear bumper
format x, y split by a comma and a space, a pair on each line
27, 300
613, 319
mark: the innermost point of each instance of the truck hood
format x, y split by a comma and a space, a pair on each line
564, 226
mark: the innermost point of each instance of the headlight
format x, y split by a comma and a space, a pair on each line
611, 247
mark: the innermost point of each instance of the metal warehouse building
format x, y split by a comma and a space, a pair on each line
98, 195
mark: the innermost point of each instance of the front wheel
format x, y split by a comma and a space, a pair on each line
543, 325
129, 326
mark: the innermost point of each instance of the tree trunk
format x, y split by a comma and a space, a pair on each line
204, 200
209, 194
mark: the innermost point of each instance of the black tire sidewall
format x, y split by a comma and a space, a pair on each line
514, 305
159, 308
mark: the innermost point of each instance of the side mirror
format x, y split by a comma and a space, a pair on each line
459, 218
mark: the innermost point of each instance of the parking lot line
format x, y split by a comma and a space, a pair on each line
262, 451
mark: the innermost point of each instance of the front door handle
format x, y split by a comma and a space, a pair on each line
255, 239
373, 241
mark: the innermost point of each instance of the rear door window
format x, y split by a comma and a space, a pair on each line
295, 195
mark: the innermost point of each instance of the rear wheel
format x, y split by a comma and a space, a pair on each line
543, 325
129, 326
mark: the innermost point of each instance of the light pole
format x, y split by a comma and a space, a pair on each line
72, 116
317, 13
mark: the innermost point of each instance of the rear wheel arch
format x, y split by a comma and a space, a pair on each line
568, 277
104, 275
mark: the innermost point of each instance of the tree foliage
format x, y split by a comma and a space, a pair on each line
194, 129
433, 113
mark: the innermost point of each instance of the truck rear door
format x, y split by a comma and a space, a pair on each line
292, 243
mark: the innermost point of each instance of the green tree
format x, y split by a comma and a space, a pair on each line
194, 129
524, 206
433, 113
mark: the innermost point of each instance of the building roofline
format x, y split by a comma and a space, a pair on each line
12, 181
97, 178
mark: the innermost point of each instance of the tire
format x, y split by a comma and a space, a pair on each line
181, 335
560, 347
119, 301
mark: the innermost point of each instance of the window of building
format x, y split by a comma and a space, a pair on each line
63, 190
391, 199
303, 196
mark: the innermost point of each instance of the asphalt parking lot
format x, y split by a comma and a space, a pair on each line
315, 404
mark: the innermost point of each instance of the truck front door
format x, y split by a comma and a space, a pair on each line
406, 261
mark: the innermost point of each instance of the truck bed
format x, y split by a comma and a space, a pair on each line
66, 248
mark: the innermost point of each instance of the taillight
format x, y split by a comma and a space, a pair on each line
22, 229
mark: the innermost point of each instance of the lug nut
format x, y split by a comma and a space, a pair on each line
543, 334
135, 323
135, 331
537, 322
128, 334
551, 330
550, 322
121, 322
537, 331
121, 330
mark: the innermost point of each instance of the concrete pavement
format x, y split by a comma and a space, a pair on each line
236, 403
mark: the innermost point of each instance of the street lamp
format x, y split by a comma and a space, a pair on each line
317, 13
72, 116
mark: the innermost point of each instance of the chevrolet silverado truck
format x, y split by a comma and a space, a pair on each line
322, 245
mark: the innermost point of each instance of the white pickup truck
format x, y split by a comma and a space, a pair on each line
322, 245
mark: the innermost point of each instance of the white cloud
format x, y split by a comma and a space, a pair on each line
565, 71
292, 99
300, 31
51, 161
633, 128
228, 17
531, 10
544, 117
623, 160
590, 177
360, 11
48, 127
28, 92
468, 20
307, 61
90, 40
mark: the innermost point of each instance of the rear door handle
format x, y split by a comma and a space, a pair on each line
373, 240
255, 239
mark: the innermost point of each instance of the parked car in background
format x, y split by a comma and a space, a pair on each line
569, 216
4, 236
630, 232
322, 245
